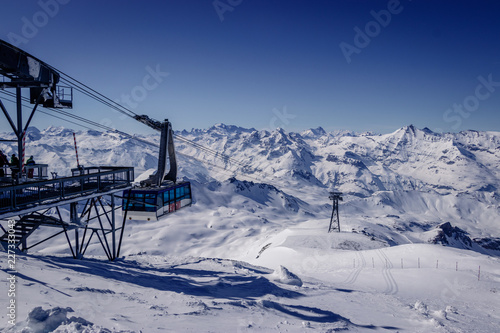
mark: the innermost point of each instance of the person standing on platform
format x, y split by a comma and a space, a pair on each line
14, 165
3, 161
29, 162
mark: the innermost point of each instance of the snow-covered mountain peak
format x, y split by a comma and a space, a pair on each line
33, 133
313, 132
57, 130
409, 128
224, 129
408, 133
428, 130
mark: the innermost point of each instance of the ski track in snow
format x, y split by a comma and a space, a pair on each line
353, 276
392, 286
387, 266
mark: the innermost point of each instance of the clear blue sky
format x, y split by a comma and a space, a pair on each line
294, 64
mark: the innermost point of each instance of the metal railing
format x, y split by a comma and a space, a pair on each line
93, 180
65, 96
31, 172
36, 171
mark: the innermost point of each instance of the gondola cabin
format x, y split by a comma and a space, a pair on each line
149, 203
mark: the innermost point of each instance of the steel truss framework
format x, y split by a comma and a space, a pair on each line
37, 204
334, 220
96, 218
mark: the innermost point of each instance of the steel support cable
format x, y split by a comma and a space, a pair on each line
181, 138
220, 155
69, 121
194, 144
224, 169
90, 92
8, 100
116, 106
90, 122
123, 109
223, 156
120, 108
100, 100
81, 119
199, 146
208, 150
71, 115
228, 171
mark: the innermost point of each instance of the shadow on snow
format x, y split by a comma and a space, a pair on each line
316, 315
212, 283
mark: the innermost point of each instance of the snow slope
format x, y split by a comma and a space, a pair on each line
419, 226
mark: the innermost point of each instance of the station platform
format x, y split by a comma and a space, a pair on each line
33, 194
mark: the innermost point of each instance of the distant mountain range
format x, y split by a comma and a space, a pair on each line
362, 164
398, 187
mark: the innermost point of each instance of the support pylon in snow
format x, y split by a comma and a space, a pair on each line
335, 221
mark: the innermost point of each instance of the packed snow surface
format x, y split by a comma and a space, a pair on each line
418, 249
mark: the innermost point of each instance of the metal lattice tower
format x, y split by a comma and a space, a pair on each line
335, 221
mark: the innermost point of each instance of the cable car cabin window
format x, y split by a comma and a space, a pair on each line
187, 192
137, 202
143, 202
183, 192
159, 201
150, 201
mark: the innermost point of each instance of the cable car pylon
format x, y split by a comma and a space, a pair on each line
334, 220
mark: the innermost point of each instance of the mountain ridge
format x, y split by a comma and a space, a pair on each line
419, 175
358, 164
